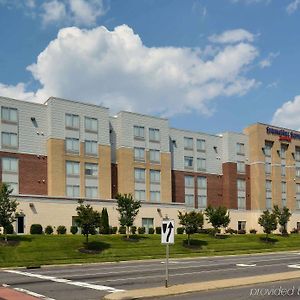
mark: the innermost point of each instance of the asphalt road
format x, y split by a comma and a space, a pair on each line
92, 281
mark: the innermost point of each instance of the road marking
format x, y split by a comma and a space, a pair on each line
67, 281
33, 294
246, 265
294, 266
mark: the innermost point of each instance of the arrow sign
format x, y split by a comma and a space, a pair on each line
167, 232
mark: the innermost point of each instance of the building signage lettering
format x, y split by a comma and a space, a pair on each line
284, 135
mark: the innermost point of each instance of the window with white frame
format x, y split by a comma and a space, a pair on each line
140, 195
188, 162
154, 156
201, 145
154, 176
10, 164
72, 168
202, 201
241, 202
201, 182
91, 169
72, 145
240, 148
283, 149
297, 153
297, 195
189, 200
139, 132
241, 225
9, 114
268, 148
188, 143
72, 121
241, 185
155, 196
201, 164
139, 154
91, 124
297, 171
9, 140
154, 135
91, 147
73, 191
14, 186
268, 168
241, 167
283, 168
139, 175
268, 194
268, 185
189, 181
91, 191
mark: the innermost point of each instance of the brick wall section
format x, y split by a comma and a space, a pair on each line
32, 172
230, 185
214, 190
248, 188
114, 180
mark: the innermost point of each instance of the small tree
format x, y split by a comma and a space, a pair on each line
128, 209
88, 219
218, 217
191, 221
268, 221
104, 221
283, 216
8, 208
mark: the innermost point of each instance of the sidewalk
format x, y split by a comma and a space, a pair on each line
10, 294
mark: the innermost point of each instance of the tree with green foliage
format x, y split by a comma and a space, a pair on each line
217, 217
128, 209
268, 221
87, 219
283, 216
191, 221
8, 208
104, 222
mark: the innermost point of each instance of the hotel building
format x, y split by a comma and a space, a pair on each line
54, 154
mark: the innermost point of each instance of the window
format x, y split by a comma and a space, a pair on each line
154, 156
189, 200
241, 202
154, 176
91, 169
91, 124
154, 196
9, 140
240, 148
297, 154
241, 185
268, 168
283, 169
188, 143
297, 170
189, 181
72, 168
268, 185
72, 121
283, 202
9, 164
73, 190
139, 154
268, 148
202, 201
139, 175
201, 145
140, 195
188, 162
91, 147
201, 164
14, 186
297, 195
283, 149
147, 223
241, 168
9, 114
91, 191
72, 145
283, 187
268, 194
154, 135
201, 182
241, 225
268, 203
139, 132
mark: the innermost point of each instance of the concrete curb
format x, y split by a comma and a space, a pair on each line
201, 286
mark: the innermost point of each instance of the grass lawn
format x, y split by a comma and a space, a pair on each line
60, 249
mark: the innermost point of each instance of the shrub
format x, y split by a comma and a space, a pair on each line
151, 230
49, 229
74, 229
10, 229
114, 230
230, 230
36, 229
180, 230
158, 230
61, 229
241, 231
253, 231
141, 230
295, 230
133, 229
122, 230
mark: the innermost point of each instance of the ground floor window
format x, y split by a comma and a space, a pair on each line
147, 223
298, 226
241, 225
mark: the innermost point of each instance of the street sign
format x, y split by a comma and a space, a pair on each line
167, 232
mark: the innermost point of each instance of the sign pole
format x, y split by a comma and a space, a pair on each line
167, 265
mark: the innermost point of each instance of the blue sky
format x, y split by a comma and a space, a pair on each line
211, 66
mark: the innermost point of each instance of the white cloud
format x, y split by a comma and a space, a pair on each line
53, 11
252, 1
115, 69
16, 91
232, 36
293, 6
288, 114
267, 62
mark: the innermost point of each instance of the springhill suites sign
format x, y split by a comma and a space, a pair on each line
284, 135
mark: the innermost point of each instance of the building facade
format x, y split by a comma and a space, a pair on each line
54, 154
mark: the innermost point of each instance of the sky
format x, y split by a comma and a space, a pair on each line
206, 65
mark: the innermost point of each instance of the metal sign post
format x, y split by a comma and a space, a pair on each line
167, 238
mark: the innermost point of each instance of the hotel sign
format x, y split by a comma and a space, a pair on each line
284, 135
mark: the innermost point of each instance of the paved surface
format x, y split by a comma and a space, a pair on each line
93, 281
